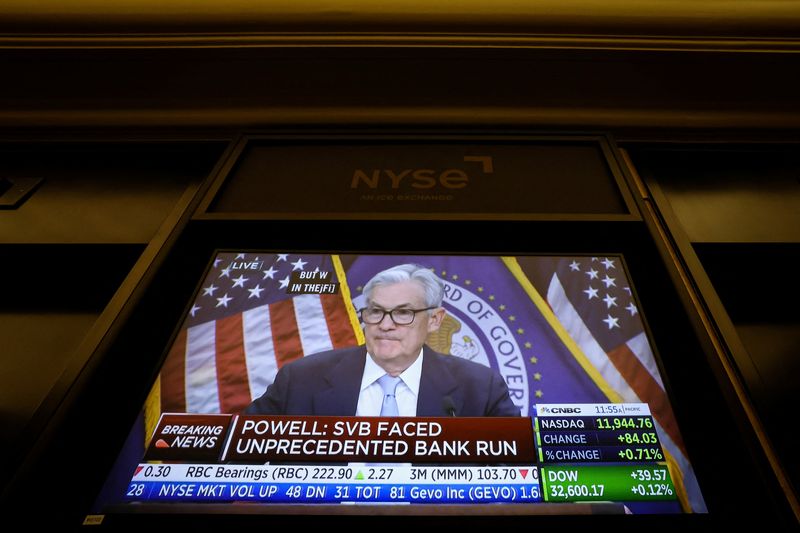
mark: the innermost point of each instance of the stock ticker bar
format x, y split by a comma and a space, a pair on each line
600, 433
334, 484
606, 483
565, 453
596, 433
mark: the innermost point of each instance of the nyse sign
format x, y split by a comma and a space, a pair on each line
436, 178
418, 178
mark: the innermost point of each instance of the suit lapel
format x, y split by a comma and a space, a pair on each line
435, 384
344, 381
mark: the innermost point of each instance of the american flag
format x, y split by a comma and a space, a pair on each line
592, 298
243, 326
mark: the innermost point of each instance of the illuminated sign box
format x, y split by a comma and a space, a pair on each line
526, 178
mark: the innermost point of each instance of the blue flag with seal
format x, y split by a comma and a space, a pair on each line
490, 320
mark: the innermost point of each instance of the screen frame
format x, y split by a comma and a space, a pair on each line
207, 249
515, 509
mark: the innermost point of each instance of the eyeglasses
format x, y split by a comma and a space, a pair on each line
401, 316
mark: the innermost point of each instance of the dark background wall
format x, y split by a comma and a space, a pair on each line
66, 250
124, 115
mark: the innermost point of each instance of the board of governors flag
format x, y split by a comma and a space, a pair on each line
557, 329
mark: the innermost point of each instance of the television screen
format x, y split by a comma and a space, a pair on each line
520, 384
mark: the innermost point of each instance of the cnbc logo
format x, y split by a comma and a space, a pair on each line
181, 437
445, 179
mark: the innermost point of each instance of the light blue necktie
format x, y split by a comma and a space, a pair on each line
389, 385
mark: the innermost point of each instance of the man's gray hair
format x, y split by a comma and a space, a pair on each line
430, 282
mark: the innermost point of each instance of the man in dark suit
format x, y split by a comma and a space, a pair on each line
403, 305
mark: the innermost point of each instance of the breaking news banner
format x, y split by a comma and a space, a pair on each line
258, 439
565, 453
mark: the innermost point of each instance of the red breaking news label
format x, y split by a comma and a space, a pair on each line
182, 437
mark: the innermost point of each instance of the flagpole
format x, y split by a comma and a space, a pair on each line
558, 328
348, 301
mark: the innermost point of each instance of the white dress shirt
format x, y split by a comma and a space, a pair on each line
370, 397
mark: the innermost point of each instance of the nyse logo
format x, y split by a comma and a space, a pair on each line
418, 178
